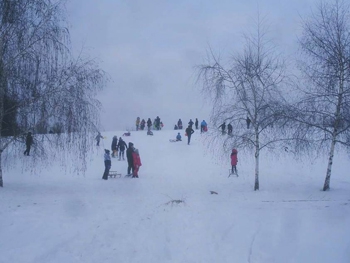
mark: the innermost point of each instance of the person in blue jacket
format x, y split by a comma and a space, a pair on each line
178, 137
203, 126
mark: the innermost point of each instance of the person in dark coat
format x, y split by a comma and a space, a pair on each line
121, 147
98, 138
108, 164
143, 123
29, 142
196, 124
114, 147
229, 129
190, 123
179, 124
223, 127
149, 124
175, 127
189, 132
130, 158
248, 122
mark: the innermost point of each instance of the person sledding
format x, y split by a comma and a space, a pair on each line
178, 137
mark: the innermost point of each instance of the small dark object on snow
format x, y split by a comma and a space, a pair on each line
213, 193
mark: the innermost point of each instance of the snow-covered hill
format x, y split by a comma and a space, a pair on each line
169, 214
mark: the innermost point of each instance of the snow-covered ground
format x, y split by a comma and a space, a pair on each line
169, 214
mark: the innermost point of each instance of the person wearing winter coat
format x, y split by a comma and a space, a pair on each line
179, 124
130, 158
29, 142
203, 126
114, 146
178, 137
234, 161
98, 138
175, 127
108, 164
248, 122
143, 124
229, 129
137, 123
190, 123
149, 124
189, 132
196, 124
223, 127
136, 162
121, 146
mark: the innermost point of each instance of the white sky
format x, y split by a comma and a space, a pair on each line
52, 217
150, 49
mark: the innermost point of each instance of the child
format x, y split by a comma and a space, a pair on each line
178, 137
108, 164
234, 161
136, 162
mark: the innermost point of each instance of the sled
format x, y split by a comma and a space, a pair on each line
114, 174
172, 140
234, 173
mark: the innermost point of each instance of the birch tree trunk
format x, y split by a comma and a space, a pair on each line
257, 153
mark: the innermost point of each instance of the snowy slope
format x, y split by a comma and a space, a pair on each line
56, 217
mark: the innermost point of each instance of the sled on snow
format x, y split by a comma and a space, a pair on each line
114, 174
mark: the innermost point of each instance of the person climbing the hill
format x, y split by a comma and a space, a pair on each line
136, 162
108, 164
189, 132
234, 161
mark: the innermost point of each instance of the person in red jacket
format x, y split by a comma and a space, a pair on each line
136, 162
234, 161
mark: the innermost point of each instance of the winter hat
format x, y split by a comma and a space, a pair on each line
234, 151
107, 151
131, 144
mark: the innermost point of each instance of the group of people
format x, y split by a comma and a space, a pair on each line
204, 126
157, 124
230, 128
132, 155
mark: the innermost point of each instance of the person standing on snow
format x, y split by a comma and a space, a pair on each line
223, 127
137, 123
136, 162
229, 129
108, 164
130, 159
191, 123
121, 146
29, 142
114, 146
203, 126
248, 122
234, 161
189, 132
97, 138
196, 124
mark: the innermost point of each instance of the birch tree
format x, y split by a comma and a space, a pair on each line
247, 87
323, 110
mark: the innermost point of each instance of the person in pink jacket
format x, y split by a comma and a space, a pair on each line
234, 161
136, 162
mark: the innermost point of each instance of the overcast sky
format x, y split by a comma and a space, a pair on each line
150, 49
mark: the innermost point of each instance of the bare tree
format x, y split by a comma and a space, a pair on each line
248, 87
322, 113
47, 85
